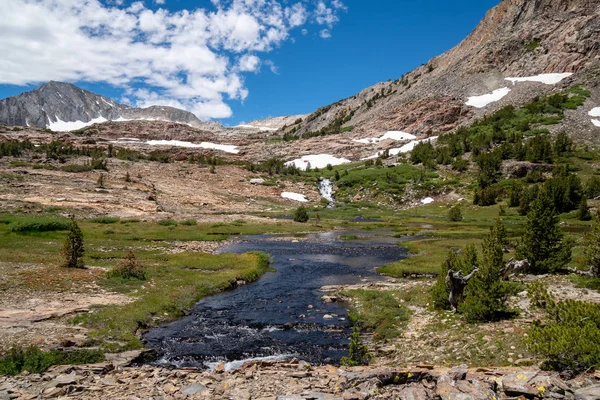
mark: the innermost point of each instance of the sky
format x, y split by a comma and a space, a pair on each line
227, 60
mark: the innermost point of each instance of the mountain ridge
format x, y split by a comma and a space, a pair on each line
517, 38
64, 106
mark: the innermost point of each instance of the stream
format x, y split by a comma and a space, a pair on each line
282, 314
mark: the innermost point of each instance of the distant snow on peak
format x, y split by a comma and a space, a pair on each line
548, 79
261, 128
65, 126
485, 99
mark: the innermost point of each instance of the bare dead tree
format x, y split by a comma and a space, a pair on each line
456, 284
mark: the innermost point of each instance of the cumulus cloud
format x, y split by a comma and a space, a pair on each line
325, 33
191, 59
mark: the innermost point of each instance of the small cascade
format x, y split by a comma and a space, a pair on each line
326, 190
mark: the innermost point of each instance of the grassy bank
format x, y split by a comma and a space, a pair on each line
173, 287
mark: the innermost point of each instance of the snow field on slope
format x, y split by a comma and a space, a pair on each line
317, 161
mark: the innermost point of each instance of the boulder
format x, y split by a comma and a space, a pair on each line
517, 384
588, 393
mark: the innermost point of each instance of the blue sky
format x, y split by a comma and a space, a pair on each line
314, 55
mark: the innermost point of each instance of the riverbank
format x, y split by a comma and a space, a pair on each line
295, 380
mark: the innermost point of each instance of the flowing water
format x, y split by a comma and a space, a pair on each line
281, 315
326, 191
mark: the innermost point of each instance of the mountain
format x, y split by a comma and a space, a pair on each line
63, 106
272, 124
516, 39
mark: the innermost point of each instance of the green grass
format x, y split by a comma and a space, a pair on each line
378, 311
36, 361
587, 282
105, 220
28, 224
177, 282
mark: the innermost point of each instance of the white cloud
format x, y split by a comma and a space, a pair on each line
325, 15
249, 62
193, 59
272, 66
325, 33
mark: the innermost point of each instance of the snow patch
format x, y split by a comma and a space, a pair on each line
262, 128
317, 161
485, 99
294, 196
64, 126
204, 145
594, 112
596, 122
548, 79
427, 200
393, 135
408, 147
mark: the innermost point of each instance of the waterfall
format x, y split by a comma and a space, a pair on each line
326, 190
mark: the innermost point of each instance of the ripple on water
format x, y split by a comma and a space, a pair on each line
281, 314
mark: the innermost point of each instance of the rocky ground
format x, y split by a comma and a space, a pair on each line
294, 380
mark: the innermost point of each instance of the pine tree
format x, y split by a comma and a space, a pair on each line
358, 353
301, 215
543, 242
487, 293
591, 249
73, 247
583, 212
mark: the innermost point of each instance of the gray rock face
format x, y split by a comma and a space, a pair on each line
58, 101
588, 393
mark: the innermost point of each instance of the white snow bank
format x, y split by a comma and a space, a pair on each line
294, 196
408, 147
317, 161
548, 79
485, 99
594, 112
204, 145
393, 135
427, 200
262, 128
596, 122
64, 126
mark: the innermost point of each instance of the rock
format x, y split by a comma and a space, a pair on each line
517, 384
310, 396
588, 393
329, 299
53, 392
219, 368
4, 395
257, 181
459, 373
63, 380
415, 392
327, 316
123, 359
170, 388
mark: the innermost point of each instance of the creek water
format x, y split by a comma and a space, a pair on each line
282, 314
